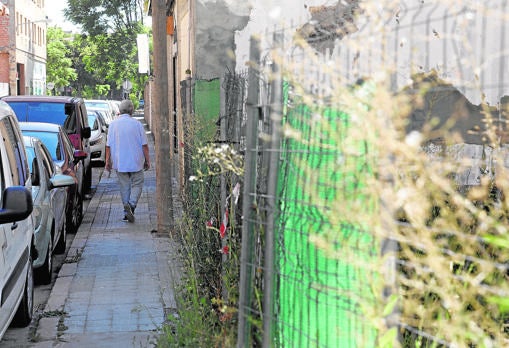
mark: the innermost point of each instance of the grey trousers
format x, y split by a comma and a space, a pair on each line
131, 185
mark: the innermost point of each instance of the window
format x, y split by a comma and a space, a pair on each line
2, 177
50, 140
47, 161
14, 156
70, 125
39, 111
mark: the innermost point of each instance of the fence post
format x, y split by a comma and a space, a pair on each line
223, 140
249, 198
276, 108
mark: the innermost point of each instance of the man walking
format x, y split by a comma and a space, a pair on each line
127, 153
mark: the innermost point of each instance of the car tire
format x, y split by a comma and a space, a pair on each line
42, 275
62, 239
25, 311
76, 214
87, 180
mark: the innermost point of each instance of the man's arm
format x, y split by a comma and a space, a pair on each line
146, 166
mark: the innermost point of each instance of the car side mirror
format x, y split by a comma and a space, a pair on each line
16, 204
86, 132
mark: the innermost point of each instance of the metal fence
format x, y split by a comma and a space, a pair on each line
309, 297
322, 185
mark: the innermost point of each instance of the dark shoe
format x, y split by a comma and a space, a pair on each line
128, 213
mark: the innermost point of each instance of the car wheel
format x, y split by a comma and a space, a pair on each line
87, 182
61, 243
42, 275
25, 311
74, 219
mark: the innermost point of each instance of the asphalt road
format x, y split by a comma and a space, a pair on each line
25, 337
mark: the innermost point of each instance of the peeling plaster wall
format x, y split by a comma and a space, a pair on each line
269, 14
224, 27
218, 20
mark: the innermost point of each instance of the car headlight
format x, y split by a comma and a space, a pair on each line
96, 142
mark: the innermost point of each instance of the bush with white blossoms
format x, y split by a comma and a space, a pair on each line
218, 160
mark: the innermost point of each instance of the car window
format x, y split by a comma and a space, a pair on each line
83, 112
99, 105
92, 121
68, 147
2, 177
39, 111
30, 156
50, 140
33, 163
69, 124
47, 162
14, 156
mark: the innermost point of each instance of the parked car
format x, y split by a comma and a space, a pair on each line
68, 112
115, 104
49, 199
16, 228
104, 105
98, 137
68, 161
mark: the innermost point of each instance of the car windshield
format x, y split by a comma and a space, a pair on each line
39, 111
99, 105
50, 139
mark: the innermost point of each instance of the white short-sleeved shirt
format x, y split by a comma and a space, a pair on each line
126, 137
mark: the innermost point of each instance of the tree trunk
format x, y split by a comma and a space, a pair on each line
161, 121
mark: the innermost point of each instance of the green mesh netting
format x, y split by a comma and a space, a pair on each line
322, 181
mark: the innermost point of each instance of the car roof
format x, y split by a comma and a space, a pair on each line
40, 126
41, 98
5, 109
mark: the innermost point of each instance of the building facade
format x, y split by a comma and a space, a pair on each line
23, 48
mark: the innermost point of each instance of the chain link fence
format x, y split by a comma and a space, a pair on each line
369, 217
372, 208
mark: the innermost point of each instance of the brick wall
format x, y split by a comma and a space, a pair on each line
4, 31
4, 43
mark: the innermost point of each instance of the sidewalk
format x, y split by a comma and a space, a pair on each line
115, 288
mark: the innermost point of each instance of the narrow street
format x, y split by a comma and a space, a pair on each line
114, 285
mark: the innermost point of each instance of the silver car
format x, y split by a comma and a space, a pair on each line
16, 229
98, 137
49, 201
104, 105
68, 161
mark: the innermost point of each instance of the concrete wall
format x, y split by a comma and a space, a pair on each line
267, 15
216, 24
28, 35
4, 55
465, 42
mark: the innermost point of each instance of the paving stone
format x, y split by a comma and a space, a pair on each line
117, 283
47, 328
